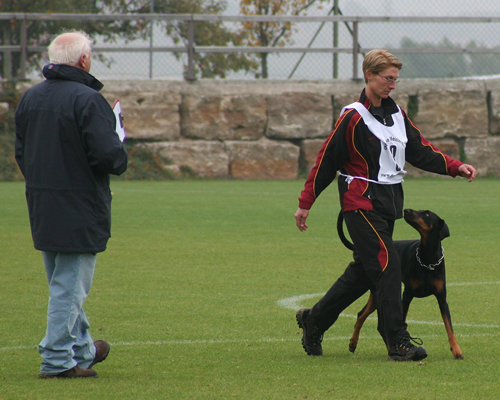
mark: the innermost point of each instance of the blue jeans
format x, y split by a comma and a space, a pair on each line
67, 341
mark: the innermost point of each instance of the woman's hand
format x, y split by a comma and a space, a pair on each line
300, 219
467, 171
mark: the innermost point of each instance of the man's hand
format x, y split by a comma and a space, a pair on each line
300, 219
467, 171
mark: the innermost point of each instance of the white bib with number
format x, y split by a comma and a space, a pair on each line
392, 145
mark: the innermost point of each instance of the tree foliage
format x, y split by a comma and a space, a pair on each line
271, 34
206, 33
41, 32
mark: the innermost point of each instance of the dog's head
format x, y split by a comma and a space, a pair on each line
426, 222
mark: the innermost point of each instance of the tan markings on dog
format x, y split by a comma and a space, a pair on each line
414, 284
454, 347
439, 285
423, 225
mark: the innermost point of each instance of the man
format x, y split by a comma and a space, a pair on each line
66, 147
369, 146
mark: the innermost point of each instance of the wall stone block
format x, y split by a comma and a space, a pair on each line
298, 115
263, 159
149, 112
453, 111
230, 117
206, 159
483, 154
309, 150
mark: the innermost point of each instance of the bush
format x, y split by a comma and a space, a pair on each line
9, 98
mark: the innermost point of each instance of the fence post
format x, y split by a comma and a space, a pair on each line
24, 49
336, 40
151, 29
355, 50
190, 76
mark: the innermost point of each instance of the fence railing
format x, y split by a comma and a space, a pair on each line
190, 47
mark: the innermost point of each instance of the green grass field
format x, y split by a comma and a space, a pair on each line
198, 289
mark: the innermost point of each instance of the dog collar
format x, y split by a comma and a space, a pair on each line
430, 267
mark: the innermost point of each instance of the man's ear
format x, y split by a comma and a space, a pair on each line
84, 62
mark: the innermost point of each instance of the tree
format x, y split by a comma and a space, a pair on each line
206, 33
41, 32
271, 34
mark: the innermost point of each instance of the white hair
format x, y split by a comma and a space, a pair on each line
68, 47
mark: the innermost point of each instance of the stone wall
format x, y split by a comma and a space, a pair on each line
274, 129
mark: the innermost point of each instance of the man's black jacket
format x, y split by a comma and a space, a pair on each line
66, 147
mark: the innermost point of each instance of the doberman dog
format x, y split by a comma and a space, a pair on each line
422, 267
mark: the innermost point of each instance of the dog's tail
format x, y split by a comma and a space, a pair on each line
340, 231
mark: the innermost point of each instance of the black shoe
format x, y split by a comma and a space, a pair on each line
405, 350
311, 336
75, 372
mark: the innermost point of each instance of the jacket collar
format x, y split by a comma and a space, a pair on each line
388, 104
70, 73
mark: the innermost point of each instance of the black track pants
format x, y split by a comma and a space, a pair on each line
376, 266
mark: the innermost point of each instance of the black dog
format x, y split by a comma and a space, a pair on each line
423, 271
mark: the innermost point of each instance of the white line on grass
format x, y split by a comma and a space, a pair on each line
291, 303
242, 341
294, 303
473, 283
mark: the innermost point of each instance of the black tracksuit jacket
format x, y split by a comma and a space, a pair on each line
353, 150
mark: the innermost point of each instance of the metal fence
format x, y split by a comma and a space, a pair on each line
319, 47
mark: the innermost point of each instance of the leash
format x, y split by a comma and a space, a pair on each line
430, 267
340, 231
350, 246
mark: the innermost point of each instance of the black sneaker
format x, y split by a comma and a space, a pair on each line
311, 337
405, 350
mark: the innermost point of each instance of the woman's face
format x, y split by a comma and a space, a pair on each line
379, 86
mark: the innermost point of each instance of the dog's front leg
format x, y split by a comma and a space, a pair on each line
445, 313
407, 298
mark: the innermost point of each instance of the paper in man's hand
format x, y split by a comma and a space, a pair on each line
120, 130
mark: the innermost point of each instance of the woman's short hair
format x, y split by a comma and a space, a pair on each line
378, 60
68, 47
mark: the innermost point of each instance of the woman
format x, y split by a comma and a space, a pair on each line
369, 146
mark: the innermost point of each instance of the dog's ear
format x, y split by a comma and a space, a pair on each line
444, 232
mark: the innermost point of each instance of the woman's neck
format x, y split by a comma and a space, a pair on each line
375, 101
